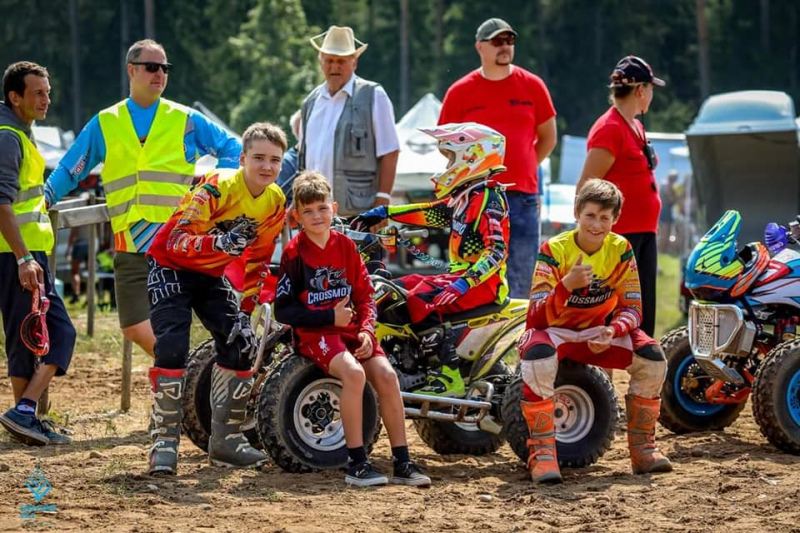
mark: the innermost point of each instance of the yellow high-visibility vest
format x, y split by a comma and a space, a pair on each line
29, 206
144, 182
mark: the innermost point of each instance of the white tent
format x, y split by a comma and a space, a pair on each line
419, 157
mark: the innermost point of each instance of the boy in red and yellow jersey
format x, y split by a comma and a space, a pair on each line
586, 306
230, 214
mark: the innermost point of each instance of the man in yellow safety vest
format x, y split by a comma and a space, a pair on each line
149, 146
26, 238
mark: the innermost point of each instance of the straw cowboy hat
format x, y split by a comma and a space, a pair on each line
338, 41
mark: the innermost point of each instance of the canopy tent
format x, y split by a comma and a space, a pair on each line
419, 156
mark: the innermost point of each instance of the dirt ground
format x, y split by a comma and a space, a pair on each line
722, 481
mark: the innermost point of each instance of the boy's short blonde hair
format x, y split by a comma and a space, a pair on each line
601, 192
309, 187
264, 131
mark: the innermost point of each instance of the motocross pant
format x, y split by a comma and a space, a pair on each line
174, 294
423, 289
541, 350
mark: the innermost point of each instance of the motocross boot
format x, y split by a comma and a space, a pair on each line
542, 460
642, 415
230, 392
437, 345
166, 387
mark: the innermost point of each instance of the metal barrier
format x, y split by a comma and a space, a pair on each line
87, 212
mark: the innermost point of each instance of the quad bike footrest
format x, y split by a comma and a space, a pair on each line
430, 405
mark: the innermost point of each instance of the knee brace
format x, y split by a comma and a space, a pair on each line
648, 369
539, 367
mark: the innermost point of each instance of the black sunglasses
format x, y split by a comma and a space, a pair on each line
499, 40
152, 67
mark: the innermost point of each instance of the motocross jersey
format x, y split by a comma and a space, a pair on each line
479, 232
222, 202
614, 290
312, 280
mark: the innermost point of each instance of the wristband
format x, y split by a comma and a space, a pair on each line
24, 259
384, 195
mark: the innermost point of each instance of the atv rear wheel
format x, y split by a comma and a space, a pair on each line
776, 397
585, 415
684, 408
298, 418
196, 402
456, 437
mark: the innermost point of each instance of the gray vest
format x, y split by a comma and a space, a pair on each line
355, 164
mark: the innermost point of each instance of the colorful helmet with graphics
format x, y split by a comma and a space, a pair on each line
474, 151
715, 268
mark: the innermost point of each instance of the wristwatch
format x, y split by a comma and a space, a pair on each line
384, 195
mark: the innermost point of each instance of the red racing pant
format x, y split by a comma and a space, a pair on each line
423, 289
637, 353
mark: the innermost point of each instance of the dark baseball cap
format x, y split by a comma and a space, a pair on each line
492, 28
631, 70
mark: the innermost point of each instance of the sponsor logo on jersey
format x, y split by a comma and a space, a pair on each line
328, 284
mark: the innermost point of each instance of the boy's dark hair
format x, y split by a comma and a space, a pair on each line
136, 49
309, 187
264, 131
14, 77
601, 192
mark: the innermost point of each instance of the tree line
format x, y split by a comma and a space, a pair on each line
250, 60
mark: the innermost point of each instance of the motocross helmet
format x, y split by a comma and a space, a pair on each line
715, 267
474, 151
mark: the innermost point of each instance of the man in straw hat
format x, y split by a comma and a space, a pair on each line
348, 132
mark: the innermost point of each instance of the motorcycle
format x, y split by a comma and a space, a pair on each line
741, 339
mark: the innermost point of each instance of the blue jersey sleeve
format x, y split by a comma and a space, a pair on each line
209, 138
88, 150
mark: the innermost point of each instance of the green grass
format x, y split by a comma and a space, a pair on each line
668, 314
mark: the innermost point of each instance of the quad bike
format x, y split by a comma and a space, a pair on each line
741, 339
297, 411
298, 419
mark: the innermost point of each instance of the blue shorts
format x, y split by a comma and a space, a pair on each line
15, 304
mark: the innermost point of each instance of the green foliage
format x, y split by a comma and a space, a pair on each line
280, 63
250, 60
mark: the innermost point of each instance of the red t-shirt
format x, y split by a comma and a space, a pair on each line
514, 106
629, 172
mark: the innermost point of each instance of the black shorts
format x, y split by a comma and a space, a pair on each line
15, 304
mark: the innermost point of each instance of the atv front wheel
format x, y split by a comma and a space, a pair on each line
684, 408
298, 417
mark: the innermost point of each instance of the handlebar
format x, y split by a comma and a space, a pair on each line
412, 233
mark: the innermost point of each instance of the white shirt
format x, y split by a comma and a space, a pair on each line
324, 117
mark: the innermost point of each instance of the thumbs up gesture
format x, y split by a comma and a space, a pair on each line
342, 313
579, 276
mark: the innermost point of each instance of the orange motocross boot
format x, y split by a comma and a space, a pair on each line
642, 415
542, 461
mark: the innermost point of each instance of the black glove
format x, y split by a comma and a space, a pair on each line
234, 241
370, 218
242, 335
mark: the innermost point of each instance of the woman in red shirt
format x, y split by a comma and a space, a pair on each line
620, 153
